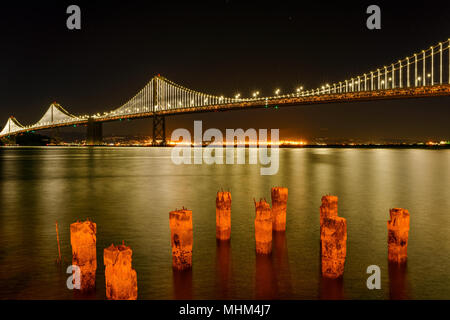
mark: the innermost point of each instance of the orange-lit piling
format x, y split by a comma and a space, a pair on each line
279, 205
120, 277
223, 216
329, 208
263, 227
398, 229
84, 253
181, 238
333, 236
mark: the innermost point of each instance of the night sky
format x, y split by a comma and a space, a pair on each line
220, 47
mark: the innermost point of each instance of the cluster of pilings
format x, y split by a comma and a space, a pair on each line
121, 278
333, 231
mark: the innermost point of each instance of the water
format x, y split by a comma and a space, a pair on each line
129, 192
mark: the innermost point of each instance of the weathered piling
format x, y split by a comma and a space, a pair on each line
263, 227
120, 277
181, 238
279, 206
83, 240
398, 230
333, 238
223, 216
329, 208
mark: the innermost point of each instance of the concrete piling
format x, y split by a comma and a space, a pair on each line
398, 231
333, 238
263, 227
329, 208
83, 240
120, 277
223, 216
181, 238
279, 206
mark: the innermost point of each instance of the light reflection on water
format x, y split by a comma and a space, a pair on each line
129, 193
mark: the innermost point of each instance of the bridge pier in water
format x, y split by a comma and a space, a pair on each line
55, 136
159, 131
94, 133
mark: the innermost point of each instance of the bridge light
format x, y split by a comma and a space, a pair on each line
237, 96
277, 92
255, 94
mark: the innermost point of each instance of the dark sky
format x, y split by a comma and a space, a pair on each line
220, 47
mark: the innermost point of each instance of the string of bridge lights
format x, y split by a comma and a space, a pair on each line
415, 70
427, 67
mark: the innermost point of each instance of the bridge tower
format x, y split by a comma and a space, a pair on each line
56, 136
94, 133
159, 121
159, 130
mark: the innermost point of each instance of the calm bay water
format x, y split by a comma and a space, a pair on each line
129, 192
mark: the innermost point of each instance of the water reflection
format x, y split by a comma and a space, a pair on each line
265, 279
182, 284
281, 264
223, 268
272, 272
128, 191
398, 281
331, 289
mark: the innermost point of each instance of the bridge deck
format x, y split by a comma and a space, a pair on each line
284, 101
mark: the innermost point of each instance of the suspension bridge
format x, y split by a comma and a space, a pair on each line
423, 74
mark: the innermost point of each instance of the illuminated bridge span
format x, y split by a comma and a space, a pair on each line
424, 74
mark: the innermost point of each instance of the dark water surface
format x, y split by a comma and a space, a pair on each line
129, 192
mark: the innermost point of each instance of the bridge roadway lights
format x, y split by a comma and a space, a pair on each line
159, 131
94, 133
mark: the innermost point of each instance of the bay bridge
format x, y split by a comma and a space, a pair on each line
423, 74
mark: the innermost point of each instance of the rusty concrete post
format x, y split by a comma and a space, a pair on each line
333, 238
120, 277
223, 216
263, 227
83, 240
181, 238
398, 229
329, 208
279, 205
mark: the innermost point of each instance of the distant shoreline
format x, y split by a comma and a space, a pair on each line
330, 146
